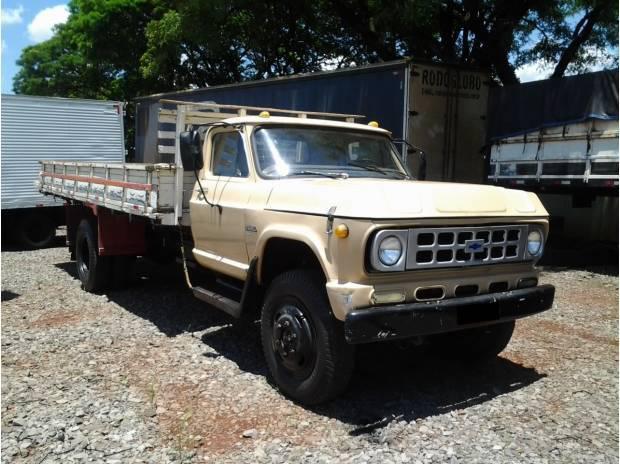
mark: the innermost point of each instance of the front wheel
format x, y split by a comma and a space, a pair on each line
304, 345
478, 344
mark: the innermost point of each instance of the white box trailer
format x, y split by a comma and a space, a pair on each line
35, 128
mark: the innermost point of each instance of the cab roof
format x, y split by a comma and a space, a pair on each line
294, 121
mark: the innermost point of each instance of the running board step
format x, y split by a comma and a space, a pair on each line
222, 303
230, 286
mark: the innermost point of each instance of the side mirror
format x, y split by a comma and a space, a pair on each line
422, 166
191, 151
420, 170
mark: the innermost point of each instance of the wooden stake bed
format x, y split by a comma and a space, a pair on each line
141, 189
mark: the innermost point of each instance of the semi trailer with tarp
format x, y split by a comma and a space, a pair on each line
559, 138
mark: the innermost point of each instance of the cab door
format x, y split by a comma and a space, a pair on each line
218, 225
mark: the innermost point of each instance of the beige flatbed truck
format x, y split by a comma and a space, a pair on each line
315, 221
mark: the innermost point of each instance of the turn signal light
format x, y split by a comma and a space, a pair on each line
341, 231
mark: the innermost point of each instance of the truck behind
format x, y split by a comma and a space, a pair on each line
35, 128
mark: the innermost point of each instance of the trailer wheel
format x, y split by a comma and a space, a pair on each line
36, 230
303, 344
93, 270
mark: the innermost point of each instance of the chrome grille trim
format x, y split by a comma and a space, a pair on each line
442, 247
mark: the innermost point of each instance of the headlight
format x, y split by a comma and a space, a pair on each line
534, 242
390, 250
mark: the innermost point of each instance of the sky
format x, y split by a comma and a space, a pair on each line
27, 22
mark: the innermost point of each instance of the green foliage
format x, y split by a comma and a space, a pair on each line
120, 49
546, 35
51, 68
94, 55
217, 41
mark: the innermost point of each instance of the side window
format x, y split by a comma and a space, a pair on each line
229, 158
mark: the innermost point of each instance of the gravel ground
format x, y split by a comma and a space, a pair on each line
149, 374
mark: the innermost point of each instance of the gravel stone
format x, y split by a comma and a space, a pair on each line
149, 374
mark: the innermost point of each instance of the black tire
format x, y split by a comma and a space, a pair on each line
93, 270
479, 344
36, 230
320, 364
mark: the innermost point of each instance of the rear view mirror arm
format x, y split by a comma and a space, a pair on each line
414, 149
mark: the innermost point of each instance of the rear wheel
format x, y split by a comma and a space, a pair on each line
304, 345
36, 230
479, 344
93, 270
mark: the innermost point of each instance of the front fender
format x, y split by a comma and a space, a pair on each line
319, 244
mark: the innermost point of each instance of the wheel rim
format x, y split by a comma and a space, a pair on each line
83, 257
293, 341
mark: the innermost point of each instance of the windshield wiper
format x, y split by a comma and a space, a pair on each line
332, 175
375, 168
369, 167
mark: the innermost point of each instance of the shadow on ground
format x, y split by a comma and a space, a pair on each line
391, 381
8, 295
606, 270
159, 294
407, 385
9, 244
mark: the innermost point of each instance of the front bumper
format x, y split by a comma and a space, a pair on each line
415, 319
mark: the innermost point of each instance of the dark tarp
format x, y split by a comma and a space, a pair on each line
518, 109
375, 91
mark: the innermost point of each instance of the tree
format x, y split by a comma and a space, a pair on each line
52, 68
499, 35
120, 49
223, 41
96, 54
579, 46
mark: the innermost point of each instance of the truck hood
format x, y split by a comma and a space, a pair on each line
395, 199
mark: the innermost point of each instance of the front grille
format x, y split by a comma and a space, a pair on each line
465, 246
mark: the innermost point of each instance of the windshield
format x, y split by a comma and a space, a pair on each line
289, 151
